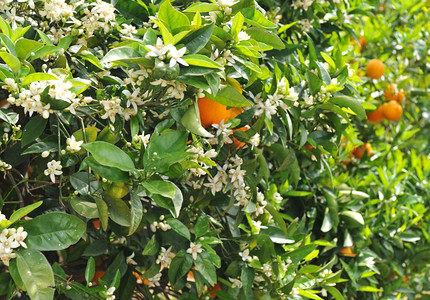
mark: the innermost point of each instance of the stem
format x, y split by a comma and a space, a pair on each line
59, 156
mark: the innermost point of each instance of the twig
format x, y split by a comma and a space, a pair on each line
15, 187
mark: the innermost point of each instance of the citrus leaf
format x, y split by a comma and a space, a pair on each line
110, 155
36, 274
54, 231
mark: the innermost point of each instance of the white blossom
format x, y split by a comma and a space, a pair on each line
73, 145
236, 283
54, 168
194, 250
175, 55
245, 255
154, 281
243, 36
158, 50
165, 257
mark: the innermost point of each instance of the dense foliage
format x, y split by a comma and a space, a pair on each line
221, 149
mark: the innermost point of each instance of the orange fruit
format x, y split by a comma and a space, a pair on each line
375, 116
392, 110
359, 151
347, 251
97, 275
213, 289
190, 276
309, 146
362, 42
375, 68
212, 112
390, 92
96, 224
400, 96
238, 144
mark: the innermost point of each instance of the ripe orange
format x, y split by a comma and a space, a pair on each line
212, 112
238, 144
359, 151
309, 146
392, 110
96, 224
347, 251
375, 69
375, 116
390, 92
213, 289
97, 275
400, 96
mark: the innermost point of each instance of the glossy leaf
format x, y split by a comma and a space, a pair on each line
36, 274
54, 231
33, 129
110, 155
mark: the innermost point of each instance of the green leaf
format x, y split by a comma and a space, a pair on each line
206, 267
191, 121
247, 277
103, 211
151, 248
353, 104
8, 43
5, 27
110, 173
180, 266
33, 129
90, 270
36, 274
201, 227
314, 82
37, 77
266, 37
24, 47
198, 39
136, 211
172, 18
353, 218
177, 200
334, 292
120, 53
118, 211
110, 155
85, 208
12, 61
309, 295
202, 7
84, 183
160, 187
54, 231
300, 253
236, 25
277, 217
22, 212
369, 289
179, 228
229, 96
201, 61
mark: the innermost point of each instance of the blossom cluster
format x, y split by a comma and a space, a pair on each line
10, 239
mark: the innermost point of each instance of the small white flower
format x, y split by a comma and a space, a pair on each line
243, 36
236, 283
20, 236
245, 255
165, 257
7, 243
175, 55
109, 293
154, 281
73, 145
255, 140
129, 260
194, 250
54, 168
128, 30
157, 50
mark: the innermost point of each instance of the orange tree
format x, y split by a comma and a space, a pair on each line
117, 185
